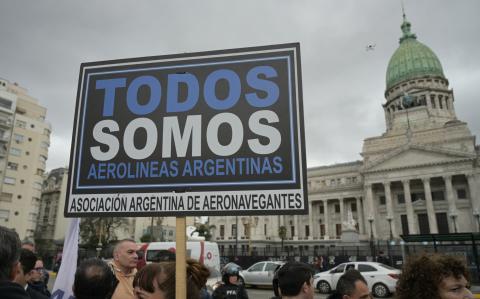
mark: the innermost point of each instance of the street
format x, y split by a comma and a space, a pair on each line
268, 293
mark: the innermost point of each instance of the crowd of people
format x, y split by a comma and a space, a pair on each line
22, 276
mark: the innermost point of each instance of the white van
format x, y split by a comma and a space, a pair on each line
206, 253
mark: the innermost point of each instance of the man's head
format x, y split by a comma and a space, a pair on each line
37, 273
93, 280
352, 285
295, 280
28, 245
27, 260
9, 254
125, 255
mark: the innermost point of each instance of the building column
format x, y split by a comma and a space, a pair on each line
371, 206
432, 218
360, 217
412, 227
390, 213
310, 220
473, 189
452, 207
327, 222
342, 211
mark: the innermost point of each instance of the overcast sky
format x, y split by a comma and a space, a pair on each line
44, 42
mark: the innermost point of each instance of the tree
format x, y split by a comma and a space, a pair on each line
282, 233
203, 230
92, 228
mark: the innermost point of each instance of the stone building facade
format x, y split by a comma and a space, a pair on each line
421, 176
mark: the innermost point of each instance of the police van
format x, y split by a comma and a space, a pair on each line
206, 253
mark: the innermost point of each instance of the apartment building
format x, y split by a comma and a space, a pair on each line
24, 143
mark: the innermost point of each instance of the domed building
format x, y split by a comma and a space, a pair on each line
419, 177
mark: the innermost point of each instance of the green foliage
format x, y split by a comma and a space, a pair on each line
92, 228
147, 238
203, 230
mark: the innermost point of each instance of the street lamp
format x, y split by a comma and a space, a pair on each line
389, 219
372, 245
476, 214
454, 215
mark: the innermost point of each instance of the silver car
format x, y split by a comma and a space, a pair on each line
260, 274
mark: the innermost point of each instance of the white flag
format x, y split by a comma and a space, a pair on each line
62, 289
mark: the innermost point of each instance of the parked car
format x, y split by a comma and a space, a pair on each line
260, 274
381, 279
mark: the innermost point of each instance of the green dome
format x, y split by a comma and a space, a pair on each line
412, 60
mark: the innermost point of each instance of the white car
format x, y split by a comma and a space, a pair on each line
260, 274
381, 279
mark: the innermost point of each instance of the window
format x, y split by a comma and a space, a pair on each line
265, 229
6, 197
417, 196
442, 223
438, 195
366, 268
12, 166
257, 267
271, 267
404, 221
382, 200
9, 180
292, 229
461, 194
339, 269
18, 138
21, 124
4, 103
222, 230
307, 231
234, 229
321, 209
337, 208
4, 214
353, 207
15, 151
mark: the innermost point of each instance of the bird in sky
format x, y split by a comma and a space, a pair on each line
370, 47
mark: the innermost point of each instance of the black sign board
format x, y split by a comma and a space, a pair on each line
210, 133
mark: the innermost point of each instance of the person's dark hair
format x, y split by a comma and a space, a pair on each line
423, 274
93, 279
28, 260
9, 252
197, 275
292, 276
346, 283
275, 282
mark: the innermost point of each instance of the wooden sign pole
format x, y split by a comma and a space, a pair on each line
181, 259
